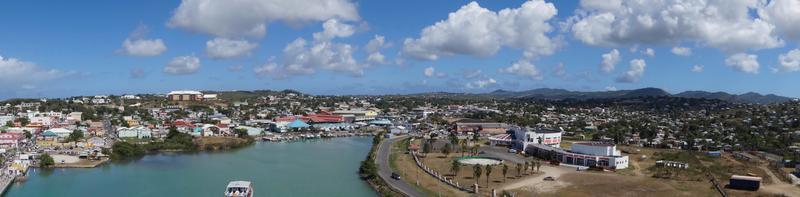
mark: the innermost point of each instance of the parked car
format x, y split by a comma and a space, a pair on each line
549, 178
395, 176
512, 150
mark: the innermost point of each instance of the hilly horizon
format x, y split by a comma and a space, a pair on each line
538, 93
561, 94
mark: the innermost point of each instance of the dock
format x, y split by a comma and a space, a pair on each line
5, 182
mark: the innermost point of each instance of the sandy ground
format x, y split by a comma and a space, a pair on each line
65, 159
779, 187
538, 181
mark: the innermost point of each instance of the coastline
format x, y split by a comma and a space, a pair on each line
368, 171
82, 164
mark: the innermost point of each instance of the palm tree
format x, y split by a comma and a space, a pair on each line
525, 169
476, 172
538, 165
454, 168
463, 147
453, 138
505, 171
446, 150
519, 169
488, 174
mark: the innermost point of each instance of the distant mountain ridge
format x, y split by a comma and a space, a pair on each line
562, 94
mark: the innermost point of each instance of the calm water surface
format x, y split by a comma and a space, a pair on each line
326, 167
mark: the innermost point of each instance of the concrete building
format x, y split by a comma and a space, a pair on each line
10, 139
589, 154
185, 95
359, 115
60, 132
525, 137
134, 132
483, 127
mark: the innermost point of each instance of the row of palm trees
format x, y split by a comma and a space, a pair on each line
477, 170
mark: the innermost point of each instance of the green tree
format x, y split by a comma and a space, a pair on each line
46, 161
538, 165
9, 124
27, 134
463, 147
453, 138
125, 150
476, 172
24, 121
446, 150
75, 136
426, 148
455, 167
241, 133
525, 167
505, 171
519, 169
488, 174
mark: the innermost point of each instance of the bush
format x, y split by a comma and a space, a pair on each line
125, 150
46, 161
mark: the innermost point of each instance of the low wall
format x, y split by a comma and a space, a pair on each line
439, 176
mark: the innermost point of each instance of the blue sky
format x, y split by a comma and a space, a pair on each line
56, 49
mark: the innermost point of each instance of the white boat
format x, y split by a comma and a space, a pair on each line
239, 189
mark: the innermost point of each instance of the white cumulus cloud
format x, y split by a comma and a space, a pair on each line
251, 17
481, 83
784, 15
649, 52
143, 47
182, 65
610, 61
301, 57
523, 68
635, 72
15, 73
682, 51
790, 61
697, 69
224, 48
747, 63
373, 50
431, 72
726, 25
477, 31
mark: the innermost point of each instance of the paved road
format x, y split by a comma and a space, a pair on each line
385, 171
502, 153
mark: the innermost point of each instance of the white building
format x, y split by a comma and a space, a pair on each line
100, 99
75, 116
60, 132
525, 137
134, 132
6, 118
590, 154
130, 97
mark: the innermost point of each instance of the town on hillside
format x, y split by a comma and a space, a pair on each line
453, 146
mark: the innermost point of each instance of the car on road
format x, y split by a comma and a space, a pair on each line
395, 176
549, 178
512, 150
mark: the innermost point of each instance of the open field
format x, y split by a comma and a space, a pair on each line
404, 165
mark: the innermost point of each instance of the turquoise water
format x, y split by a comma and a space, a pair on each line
326, 167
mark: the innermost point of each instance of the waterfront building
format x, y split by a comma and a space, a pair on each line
358, 115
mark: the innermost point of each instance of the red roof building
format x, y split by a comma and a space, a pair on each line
10, 139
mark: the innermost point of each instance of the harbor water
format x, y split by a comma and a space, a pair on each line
322, 167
